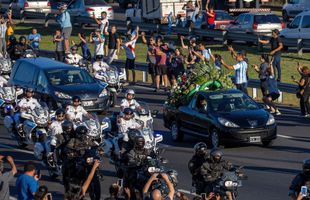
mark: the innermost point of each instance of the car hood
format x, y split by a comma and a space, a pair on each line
84, 91
247, 118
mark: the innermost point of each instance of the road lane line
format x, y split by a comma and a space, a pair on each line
15, 149
186, 192
285, 136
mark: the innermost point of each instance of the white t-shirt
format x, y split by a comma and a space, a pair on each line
104, 26
3, 28
130, 49
99, 46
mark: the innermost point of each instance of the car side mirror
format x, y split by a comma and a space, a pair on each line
154, 113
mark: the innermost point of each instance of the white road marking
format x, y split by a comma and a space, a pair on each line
186, 192
285, 136
15, 149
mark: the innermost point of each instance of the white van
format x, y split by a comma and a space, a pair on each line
294, 7
299, 28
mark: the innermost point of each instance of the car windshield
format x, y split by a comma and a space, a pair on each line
95, 2
59, 77
231, 102
265, 19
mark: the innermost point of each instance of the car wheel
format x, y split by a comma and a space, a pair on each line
175, 132
214, 138
267, 143
285, 16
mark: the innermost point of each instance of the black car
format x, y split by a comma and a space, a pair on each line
56, 83
222, 117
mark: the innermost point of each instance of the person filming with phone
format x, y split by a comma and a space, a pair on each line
156, 194
6, 177
300, 186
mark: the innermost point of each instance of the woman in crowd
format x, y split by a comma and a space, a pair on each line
303, 92
177, 66
262, 75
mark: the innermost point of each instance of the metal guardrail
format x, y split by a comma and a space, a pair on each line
253, 83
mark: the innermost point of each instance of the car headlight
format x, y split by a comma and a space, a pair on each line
103, 93
271, 120
227, 123
62, 95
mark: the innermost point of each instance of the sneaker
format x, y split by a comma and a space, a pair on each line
307, 115
278, 112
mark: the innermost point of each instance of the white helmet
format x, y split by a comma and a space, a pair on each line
129, 91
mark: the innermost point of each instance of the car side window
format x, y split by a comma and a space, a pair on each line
305, 22
239, 20
24, 73
193, 102
201, 104
295, 23
247, 19
41, 81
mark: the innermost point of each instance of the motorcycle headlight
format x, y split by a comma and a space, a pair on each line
103, 93
271, 120
89, 160
62, 95
228, 183
227, 123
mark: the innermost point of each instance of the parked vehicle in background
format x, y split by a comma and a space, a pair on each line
294, 7
56, 83
156, 11
299, 28
245, 3
222, 19
16, 6
37, 6
256, 23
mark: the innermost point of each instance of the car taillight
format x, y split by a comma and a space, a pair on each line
255, 26
49, 4
26, 4
283, 25
110, 9
90, 10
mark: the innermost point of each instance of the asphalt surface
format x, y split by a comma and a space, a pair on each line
270, 170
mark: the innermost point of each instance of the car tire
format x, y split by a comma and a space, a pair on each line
285, 16
267, 143
176, 134
214, 139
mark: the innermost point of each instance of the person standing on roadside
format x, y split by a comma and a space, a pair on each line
64, 20
262, 75
58, 40
276, 48
240, 72
84, 46
103, 23
27, 183
34, 39
114, 44
98, 39
150, 57
3, 29
6, 177
160, 65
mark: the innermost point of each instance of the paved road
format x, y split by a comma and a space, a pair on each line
269, 169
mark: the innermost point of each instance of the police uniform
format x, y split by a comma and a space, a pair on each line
133, 104
100, 66
194, 167
124, 125
30, 103
76, 113
73, 59
55, 129
3, 81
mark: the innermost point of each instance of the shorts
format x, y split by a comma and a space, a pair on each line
67, 32
151, 68
273, 95
130, 64
161, 70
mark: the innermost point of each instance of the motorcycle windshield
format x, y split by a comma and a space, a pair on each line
41, 115
93, 126
5, 65
9, 93
144, 108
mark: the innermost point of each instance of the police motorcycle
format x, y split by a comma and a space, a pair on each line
36, 123
111, 76
229, 181
5, 66
8, 101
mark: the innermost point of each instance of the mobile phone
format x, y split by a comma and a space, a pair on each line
39, 173
304, 191
120, 182
203, 196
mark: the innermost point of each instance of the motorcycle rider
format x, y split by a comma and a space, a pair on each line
129, 101
73, 58
212, 170
75, 112
56, 126
11, 47
99, 65
300, 180
200, 157
21, 47
127, 121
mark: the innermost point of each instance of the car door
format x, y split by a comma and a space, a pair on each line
201, 119
236, 26
247, 24
293, 28
41, 86
304, 32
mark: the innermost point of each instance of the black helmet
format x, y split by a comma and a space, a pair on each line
29, 90
139, 142
216, 153
74, 48
60, 111
128, 111
67, 126
81, 131
200, 148
22, 38
76, 98
306, 165
99, 57
12, 39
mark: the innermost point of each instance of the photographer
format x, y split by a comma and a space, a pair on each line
64, 20
98, 39
6, 177
156, 194
300, 180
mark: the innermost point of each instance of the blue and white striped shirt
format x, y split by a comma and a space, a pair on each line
240, 72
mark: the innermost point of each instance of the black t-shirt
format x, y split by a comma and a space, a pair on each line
275, 43
113, 40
